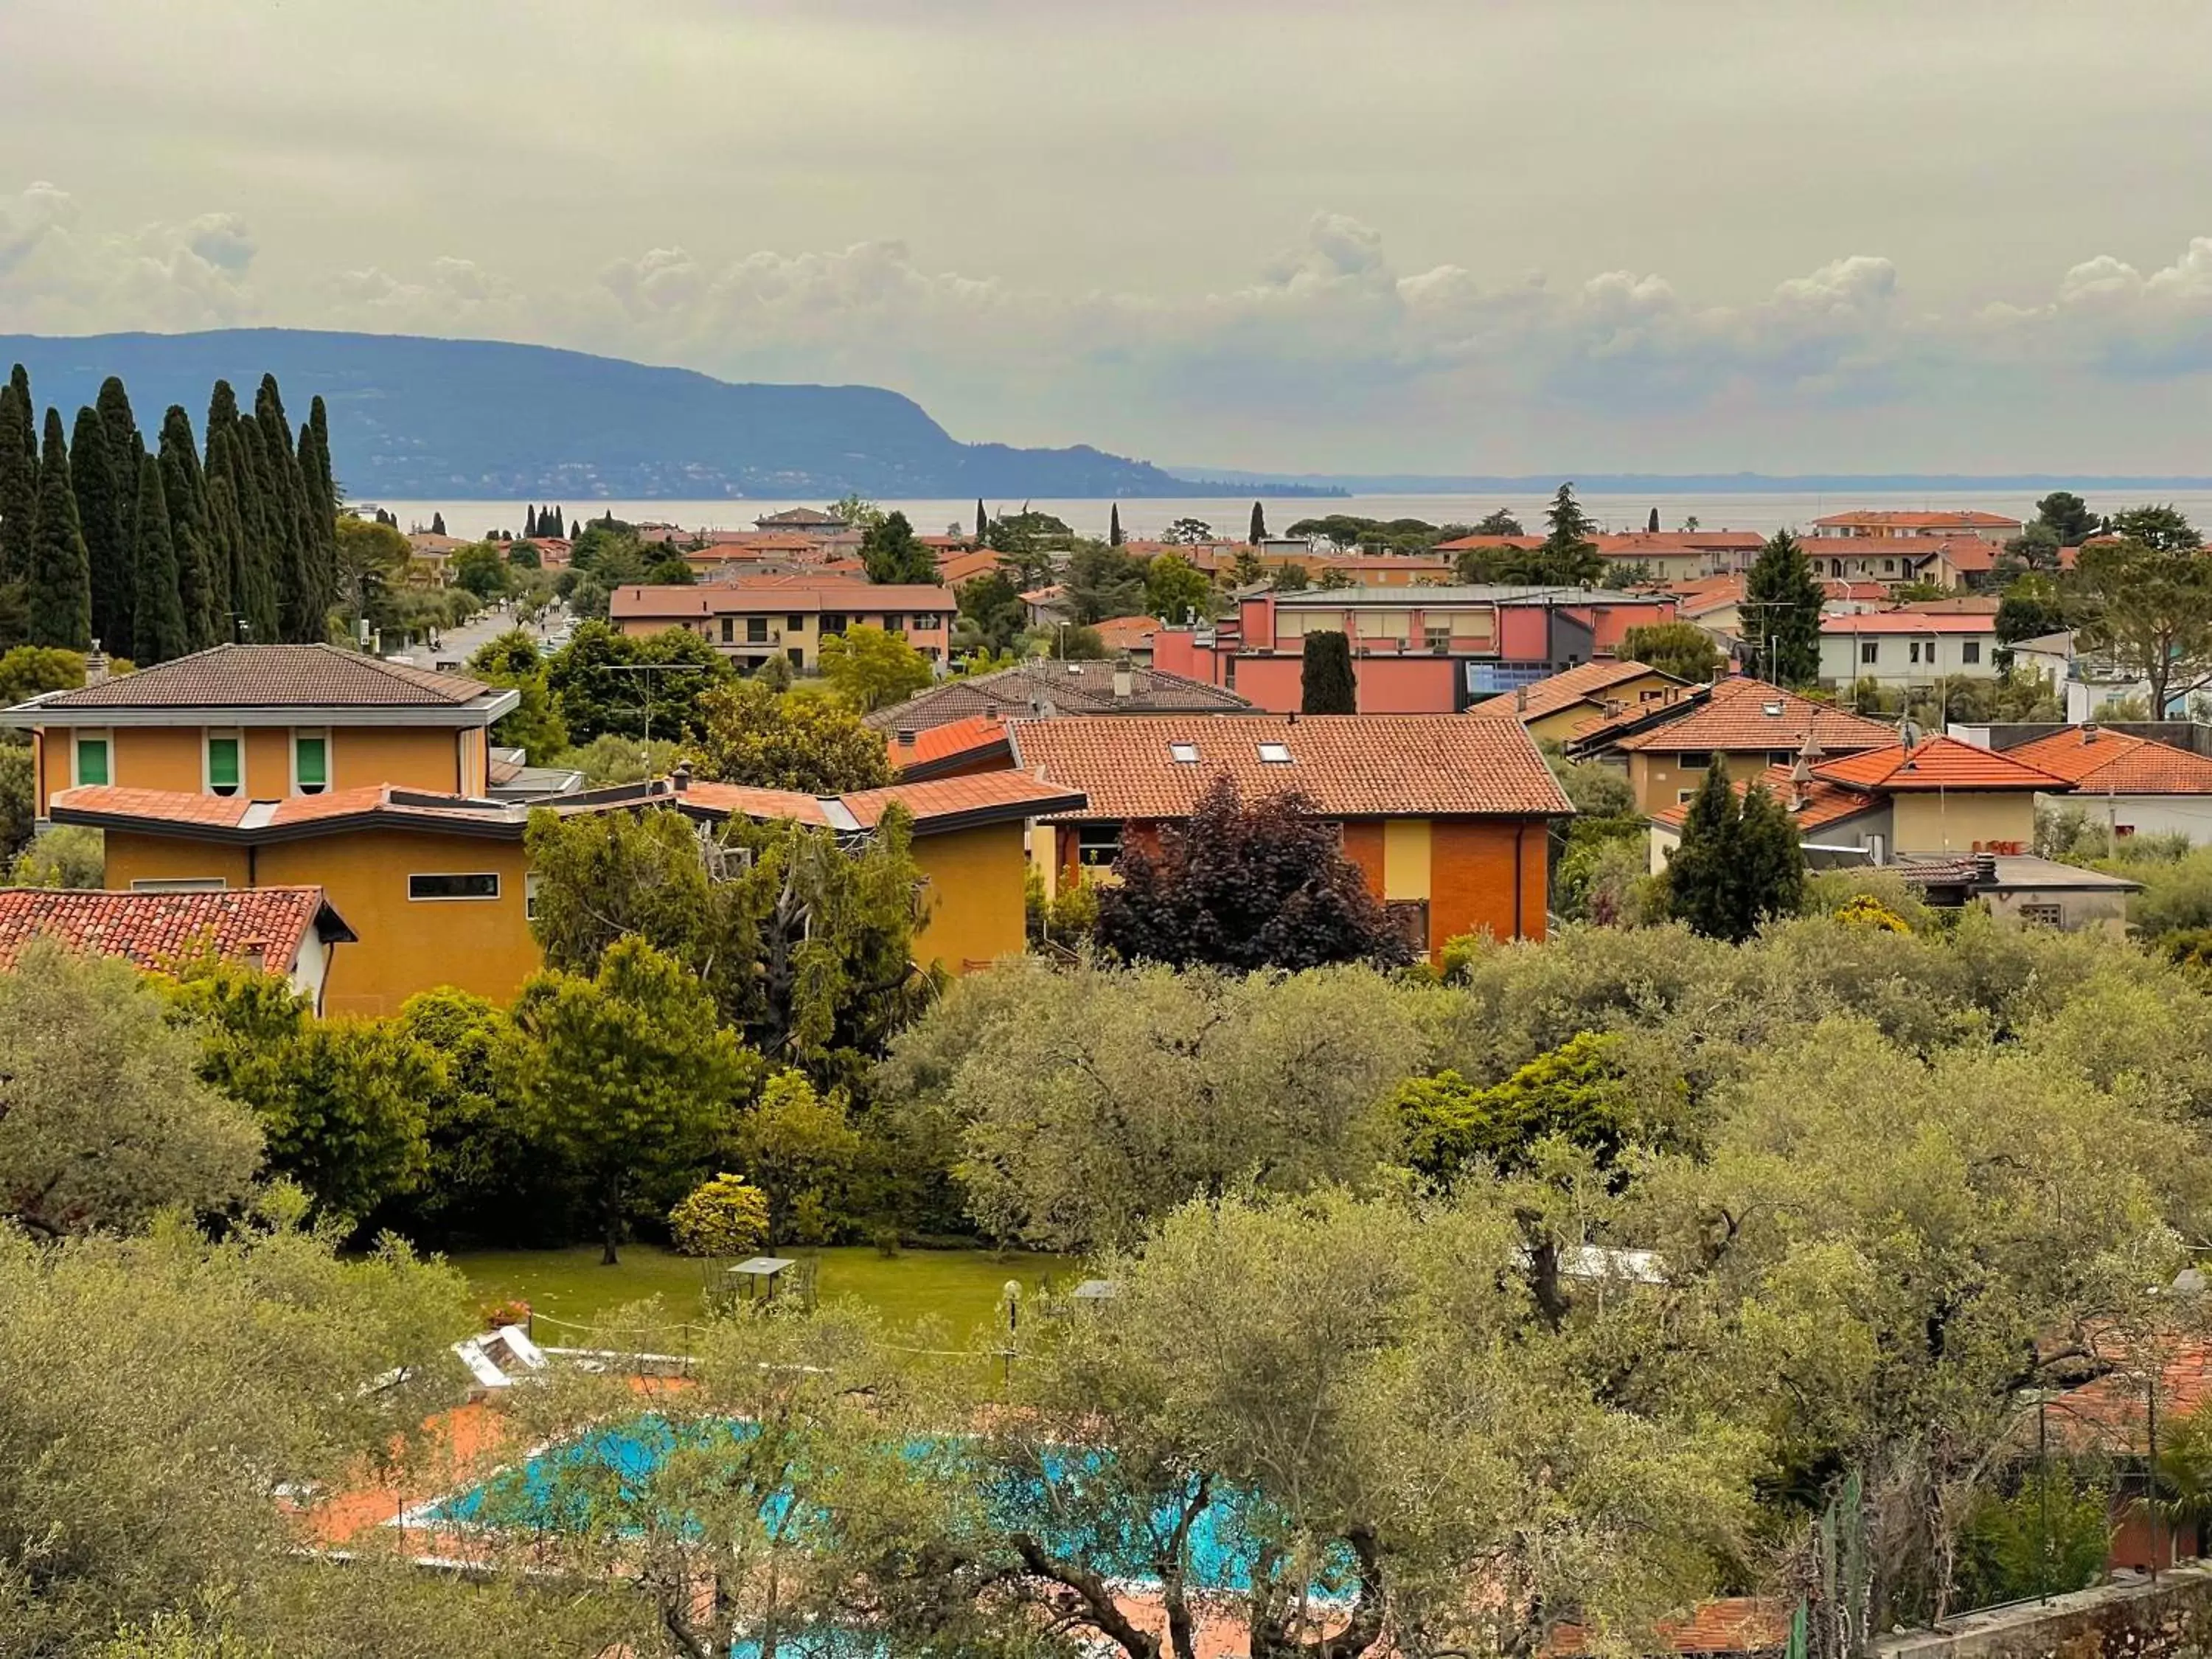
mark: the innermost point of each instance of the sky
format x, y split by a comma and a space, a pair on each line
1472, 236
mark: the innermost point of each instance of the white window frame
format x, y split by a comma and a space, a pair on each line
100, 735
180, 885
530, 885
1279, 756
414, 898
1184, 754
330, 779
208, 737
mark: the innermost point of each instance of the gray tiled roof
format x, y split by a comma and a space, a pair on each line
1066, 688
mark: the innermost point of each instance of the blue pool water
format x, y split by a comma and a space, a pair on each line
558, 1487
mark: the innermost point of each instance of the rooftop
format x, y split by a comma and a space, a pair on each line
1937, 763
1586, 683
157, 929
1348, 765
795, 593
1398, 598
1736, 713
1629, 543
1821, 803
918, 750
1063, 688
1944, 519
275, 677
2095, 759
1909, 621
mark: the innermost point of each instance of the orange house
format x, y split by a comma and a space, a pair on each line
1446, 817
437, 887
264, 723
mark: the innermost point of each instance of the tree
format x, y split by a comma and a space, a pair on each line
637, 1082
71, 855
1245, 887
891, 553
19, 481
1326, 682
2031, 608
992, 614
1651, 525
2036, 548
437, 524
203, 582
2067, 516
1782, 606
1568, 557
105, 1123
1577, 1091
751, 735
1188, 532
1500, 522
534, 725
596, 684
799, 1151
2150, 612
482, 569
872, 668
1682, 649
851, 508
523, 555
372, 560
1175, 590
1113, 526
1738, 862
98, 485
60, 583
1259, 533
157, 608
2160, 528
1104, 581
1073, 642
1290, 578
982, 522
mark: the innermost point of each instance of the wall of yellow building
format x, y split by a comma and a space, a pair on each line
406, 944
1659, 783
174, 757
1951, 821
974, 897
1406, 859
1561, 725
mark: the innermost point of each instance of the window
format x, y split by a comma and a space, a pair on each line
311, 763
530, 896
179, 885
1185, 754
1097, 844
756, 631
480, 886
1275, 754
1889, 566
925, 619
832, 623
795, 657
729, 630
1970, 652
91, 758
893, 622
794, 624
1694, 760
2048, 915
1436, 635
1684, 797
1869, 650
225, 763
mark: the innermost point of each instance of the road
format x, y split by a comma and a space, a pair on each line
457, 645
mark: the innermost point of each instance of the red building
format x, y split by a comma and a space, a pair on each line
1415, 651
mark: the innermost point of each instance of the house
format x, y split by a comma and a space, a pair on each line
2022, 887
960, 748
1425, 650
291, 932
1901, 649
2129, 785
1888, 524
1045, 687
1447, 818
801, 518
1552, 710
1937, 798
1128, 636
437, 886
1666, 744
1659, 555
958, 564
264, 723
753, 618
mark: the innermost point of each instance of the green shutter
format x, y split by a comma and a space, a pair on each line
91, 760
222, 765
311, 762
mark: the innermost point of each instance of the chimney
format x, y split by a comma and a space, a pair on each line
682, 776
1985, 869
1800, 771
95, 665
2088, 730
1520, 699
1125, 684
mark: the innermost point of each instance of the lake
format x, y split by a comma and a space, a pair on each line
1764, 512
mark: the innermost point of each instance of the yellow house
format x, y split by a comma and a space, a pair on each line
437, 886
1556, 706
264, 723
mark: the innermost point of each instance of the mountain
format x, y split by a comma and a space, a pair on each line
1708, 484
418, 418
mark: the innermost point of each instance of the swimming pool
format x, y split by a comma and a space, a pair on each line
558, 1487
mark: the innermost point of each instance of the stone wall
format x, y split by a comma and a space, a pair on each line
2133, 1618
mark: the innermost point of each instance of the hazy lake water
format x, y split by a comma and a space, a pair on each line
1231, 515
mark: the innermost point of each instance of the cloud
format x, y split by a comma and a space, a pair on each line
58, 277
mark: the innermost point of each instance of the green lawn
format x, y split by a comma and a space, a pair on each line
961, 1288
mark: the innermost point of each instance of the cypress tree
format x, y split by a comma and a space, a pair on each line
1113, 526
1782, 612
225, 542
982, 522
158, 611
203, 570
254, 580
60, 588
1325, 684
94, 481
19, 477
1772, 857
1654, 525
1259, 525
321, 496
125, 444
1705, 875
291, 537
574, 530
529, 521
437, 524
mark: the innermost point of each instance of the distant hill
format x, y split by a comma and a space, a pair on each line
419, 418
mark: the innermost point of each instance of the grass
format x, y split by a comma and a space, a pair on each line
959, 1288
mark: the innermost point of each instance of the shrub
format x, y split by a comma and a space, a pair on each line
727, 1216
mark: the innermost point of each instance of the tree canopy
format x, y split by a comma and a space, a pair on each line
1782, 601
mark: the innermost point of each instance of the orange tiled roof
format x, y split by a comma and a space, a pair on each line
1740, 712
987, 793
1586, 683
1910, 622
1941, 520
1731, 1624
933, 744
2100, 760
1348, 765
1821, 802
275, 677
800, 593
1937, 763
154, 930
1127, 633
1627, 543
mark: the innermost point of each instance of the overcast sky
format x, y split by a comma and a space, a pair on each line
1471, 236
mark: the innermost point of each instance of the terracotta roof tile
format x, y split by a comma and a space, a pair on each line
948, 798
1937, 763
275, 677
1910, 622
977, 735
1823, 803
1871, 519
798, 593
1586, 683
155, 930
1348, 765
2102, 761
1740, 712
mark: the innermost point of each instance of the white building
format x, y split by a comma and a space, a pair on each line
2129, 784
1903, 649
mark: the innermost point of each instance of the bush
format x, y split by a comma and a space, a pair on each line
725, 1217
